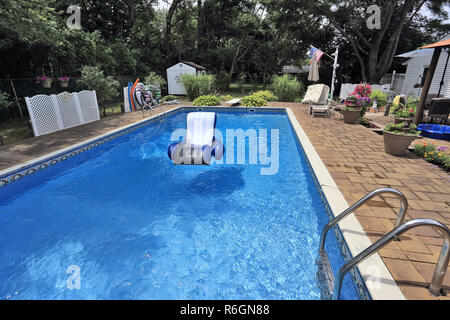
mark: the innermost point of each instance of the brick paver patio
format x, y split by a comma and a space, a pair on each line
355, 157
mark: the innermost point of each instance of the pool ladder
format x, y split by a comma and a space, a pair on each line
154, 108
331, 288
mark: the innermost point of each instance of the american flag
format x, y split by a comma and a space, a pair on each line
316, 54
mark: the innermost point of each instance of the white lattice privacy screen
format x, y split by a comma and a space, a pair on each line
65, 110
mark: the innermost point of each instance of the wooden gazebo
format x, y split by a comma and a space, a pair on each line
438, 46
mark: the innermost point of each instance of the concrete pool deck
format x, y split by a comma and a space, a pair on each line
354, 156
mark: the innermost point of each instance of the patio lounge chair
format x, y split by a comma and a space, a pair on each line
317, 98
439, 109
200, 144
234, 102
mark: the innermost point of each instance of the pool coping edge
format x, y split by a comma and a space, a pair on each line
381, 286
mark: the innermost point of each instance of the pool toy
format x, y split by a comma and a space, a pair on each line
435, 131
200, 144
131, 94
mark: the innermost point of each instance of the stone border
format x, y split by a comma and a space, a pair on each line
378, 280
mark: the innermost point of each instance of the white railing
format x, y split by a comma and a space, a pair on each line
50, 113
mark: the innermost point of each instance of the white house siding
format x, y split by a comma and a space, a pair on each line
447, 92
415, 68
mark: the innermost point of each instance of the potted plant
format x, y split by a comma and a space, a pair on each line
405, 112
64, 81
357, 104
45, 81
404, 115
350, 112
398, 137
355, 108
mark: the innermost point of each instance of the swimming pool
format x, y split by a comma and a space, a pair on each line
134, 226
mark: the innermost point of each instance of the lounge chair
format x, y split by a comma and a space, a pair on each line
200, 144
317, 98
439, 109
234, 102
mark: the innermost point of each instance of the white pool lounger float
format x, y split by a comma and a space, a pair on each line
199, 145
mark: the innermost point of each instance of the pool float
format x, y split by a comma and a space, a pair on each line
200, 144
131, 94
435, 131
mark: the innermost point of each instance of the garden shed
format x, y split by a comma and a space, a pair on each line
174, 73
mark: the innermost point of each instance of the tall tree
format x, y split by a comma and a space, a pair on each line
374, 48
168, 31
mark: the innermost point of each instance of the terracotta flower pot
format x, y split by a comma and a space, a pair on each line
351, 117
396, 144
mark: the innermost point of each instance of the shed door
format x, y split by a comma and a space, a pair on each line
173, 78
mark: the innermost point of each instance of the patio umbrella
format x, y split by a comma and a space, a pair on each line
314, 71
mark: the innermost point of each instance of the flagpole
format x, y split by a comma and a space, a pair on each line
335, 66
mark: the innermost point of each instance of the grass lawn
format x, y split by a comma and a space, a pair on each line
14, 130
239, 91
112, 109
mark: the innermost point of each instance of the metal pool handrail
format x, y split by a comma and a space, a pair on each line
359, 203
439, 271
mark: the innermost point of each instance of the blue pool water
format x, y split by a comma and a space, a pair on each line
138, 227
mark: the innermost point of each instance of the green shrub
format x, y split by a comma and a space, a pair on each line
404, 113
253, 101
222, 81
364, 121
197, 86
227, 97
169, 98
266, 95
106, 87
206, 101
5, 105
286, 87
380, 96
155, 79
402, 128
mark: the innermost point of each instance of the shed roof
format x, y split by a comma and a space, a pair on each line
194, 65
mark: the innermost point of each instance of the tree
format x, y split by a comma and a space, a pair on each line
374, 48
168, 30
106, 88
